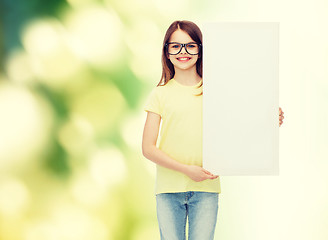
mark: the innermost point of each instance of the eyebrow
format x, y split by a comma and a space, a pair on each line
182, 43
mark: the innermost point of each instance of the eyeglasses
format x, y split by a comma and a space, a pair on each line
174, 48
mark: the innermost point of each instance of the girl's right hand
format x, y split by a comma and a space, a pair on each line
198, 173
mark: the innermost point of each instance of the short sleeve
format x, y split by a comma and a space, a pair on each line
153, 102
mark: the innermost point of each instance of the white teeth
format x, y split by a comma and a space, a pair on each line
183, 58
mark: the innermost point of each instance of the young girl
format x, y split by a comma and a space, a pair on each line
183, 187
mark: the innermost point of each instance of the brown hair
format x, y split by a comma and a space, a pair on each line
167, 67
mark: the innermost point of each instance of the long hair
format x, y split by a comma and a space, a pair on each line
167, 67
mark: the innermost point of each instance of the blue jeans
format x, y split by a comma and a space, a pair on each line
173, 209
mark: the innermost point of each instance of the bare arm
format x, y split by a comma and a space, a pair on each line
157, 156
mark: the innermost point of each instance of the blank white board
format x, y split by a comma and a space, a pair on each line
240, 98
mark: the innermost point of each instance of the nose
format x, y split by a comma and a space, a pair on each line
183, 50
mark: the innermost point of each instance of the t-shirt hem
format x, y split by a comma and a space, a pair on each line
152, 110
190, 190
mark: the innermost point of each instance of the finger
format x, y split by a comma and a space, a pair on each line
207, 172
207, 176
213, 177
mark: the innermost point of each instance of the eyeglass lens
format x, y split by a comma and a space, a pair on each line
175, 48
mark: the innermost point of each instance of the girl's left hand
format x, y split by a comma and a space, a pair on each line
281, 116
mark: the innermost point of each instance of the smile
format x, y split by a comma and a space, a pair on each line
183, 59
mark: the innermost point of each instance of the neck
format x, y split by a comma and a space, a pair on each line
187, 77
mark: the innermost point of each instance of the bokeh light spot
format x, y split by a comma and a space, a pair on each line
76, 136
25, 124
19, 68
14, 197
107, 166
101, 105
95, 35
86, 191
47, 43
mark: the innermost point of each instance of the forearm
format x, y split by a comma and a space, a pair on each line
159, 157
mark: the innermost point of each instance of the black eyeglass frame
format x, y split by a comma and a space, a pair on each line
181, 46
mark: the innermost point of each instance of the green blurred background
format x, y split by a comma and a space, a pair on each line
74, 75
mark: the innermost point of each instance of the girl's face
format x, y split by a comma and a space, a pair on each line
183, 60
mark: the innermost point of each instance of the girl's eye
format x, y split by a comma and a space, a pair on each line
191, 45
175, 46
